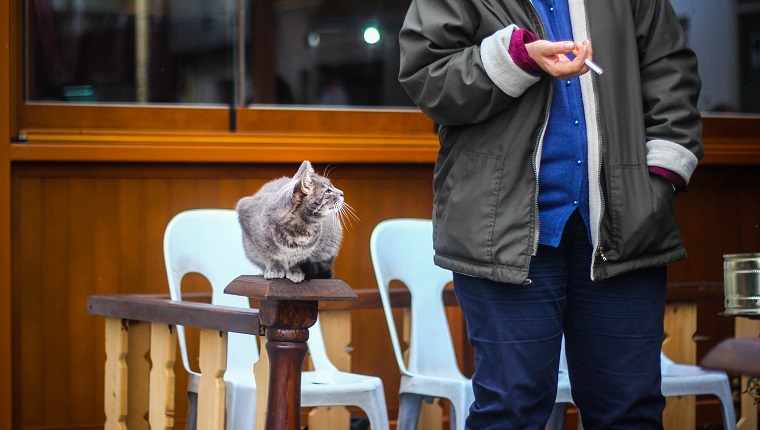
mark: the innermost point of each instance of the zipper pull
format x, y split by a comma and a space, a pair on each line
601, 253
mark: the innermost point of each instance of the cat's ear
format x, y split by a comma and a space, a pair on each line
304, 177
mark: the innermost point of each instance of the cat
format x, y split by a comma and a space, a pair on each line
292, 226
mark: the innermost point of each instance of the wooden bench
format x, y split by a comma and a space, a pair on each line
138, 326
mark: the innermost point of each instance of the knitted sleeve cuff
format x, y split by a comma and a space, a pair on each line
500, 66
518, 52
673, 177
670, 158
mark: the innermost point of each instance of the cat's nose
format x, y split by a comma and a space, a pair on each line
340, 193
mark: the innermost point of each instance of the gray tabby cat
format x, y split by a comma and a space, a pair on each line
291, 226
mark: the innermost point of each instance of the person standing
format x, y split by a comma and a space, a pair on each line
554, 191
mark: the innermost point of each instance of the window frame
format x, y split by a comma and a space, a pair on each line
45, 131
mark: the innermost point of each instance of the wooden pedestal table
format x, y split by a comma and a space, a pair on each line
740, 356
286, 311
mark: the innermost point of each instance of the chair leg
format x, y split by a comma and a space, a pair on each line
458, 415
727, 405
376, 411
557, 418
192, 410
240, 403
408, 411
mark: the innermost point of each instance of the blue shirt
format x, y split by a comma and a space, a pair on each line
563, 174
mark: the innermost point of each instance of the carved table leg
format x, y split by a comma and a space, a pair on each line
286, 311
748, 414
287, 330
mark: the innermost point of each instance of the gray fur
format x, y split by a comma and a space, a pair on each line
291, 226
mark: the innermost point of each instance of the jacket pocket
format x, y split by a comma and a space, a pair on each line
465, 206
641, 219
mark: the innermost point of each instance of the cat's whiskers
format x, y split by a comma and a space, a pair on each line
328, 168
347, 215
351, 211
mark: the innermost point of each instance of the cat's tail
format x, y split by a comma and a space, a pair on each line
317, 270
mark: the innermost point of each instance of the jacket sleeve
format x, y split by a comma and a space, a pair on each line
670, 89
452, 77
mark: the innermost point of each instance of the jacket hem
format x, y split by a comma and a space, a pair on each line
503, 274
610, 269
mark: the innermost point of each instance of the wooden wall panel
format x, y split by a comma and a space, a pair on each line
719, 215
83, 229
82, 271
7, 129
27, 340
97, 228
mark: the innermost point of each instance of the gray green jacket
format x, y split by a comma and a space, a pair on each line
641, 112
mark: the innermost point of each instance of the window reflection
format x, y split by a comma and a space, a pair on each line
215, 51
725, 34
340, 52
298, 52
160, 51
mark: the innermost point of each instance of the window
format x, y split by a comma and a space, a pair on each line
224, 52
237, 64
725, 34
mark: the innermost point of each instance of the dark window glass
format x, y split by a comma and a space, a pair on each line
297, 52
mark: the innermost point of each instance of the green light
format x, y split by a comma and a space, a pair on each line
371, 35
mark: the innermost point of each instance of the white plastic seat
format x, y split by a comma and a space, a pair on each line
689, 380
328, 386
677, 380
402, 249
209, 242
564, 398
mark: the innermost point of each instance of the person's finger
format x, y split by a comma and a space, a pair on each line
563, 47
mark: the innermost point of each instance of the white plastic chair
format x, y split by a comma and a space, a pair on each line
688, 380
402, 249
677, 380
564, 398
328, 386
209, 242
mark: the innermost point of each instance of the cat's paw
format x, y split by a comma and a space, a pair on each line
295, 276
274, 273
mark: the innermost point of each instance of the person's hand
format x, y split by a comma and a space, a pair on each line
552, 57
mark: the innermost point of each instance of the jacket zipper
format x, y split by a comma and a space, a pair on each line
599, 250
539, 142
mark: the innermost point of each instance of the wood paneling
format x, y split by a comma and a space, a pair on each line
6, 113
326, 120
97, 228
719, 215
47, 115
188, 117
289, 136
144, 146
82, 229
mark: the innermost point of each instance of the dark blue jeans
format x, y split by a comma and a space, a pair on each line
613, 337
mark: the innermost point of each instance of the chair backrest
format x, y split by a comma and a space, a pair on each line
209, 242
402, 249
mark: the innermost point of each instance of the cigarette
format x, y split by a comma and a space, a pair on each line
591, 65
